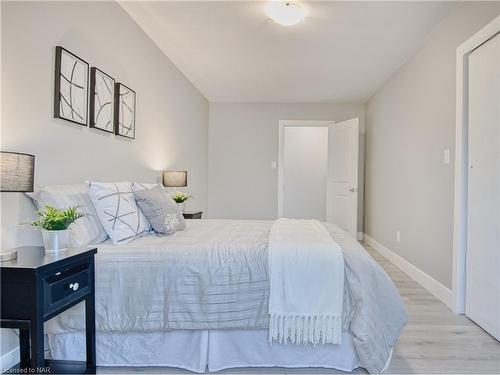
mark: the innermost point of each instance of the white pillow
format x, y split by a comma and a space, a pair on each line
86, 230
117, 210
139, 186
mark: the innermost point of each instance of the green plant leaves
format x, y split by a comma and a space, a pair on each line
51, 218
180, 197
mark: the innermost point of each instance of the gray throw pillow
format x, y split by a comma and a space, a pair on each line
160, 210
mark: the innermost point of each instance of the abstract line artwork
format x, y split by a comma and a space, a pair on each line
71, 87
101, 105
124, 111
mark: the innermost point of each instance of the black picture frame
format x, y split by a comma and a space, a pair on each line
71, 108
100, 103
125, 108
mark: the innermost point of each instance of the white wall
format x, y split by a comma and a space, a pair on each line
409, 123
304, 172
172, 116
243, 141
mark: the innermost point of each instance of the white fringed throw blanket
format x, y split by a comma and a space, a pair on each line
306, 275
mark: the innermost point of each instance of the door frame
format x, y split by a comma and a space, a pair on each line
282, 124
461, 161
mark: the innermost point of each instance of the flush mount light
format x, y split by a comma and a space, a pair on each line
285, 13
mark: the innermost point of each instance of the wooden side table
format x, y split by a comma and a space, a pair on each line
192, 215
36, 287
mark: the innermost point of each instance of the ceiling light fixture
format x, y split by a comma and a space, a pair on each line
285, 13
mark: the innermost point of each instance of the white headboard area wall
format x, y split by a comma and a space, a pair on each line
171, 114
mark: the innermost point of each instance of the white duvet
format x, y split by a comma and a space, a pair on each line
214, 275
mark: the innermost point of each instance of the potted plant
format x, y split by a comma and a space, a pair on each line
180, 198
54, 223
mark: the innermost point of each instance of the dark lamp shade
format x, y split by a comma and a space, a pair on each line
175, 178
16, 171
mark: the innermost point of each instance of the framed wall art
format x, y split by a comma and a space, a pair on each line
124, 111
101, 106
71, 87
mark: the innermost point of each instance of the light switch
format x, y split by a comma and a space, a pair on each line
446, 156
274, 164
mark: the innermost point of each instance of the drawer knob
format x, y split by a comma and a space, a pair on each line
74, 286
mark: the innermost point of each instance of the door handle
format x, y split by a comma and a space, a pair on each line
352, 190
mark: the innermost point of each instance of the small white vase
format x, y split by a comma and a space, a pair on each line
55, 240
181, 206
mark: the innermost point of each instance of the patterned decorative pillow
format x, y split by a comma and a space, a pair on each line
117, 211
137, 186
86, 230
161, 211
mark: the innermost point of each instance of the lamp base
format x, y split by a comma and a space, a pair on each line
8, 255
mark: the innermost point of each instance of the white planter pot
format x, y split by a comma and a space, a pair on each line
55, 240
181, 206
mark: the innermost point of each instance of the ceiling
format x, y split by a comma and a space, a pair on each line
342, 52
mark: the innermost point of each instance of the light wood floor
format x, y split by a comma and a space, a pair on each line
435, 340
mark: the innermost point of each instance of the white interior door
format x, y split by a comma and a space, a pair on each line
342, 176
483, 218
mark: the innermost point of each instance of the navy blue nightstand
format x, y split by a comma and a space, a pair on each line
36, 287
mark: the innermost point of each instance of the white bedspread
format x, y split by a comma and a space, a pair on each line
306, 279
214, 275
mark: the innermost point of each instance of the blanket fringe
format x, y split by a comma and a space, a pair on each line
305, 329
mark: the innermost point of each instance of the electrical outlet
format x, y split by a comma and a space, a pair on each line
274, 164
398, 236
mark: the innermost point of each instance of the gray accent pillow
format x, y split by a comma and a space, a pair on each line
160, 210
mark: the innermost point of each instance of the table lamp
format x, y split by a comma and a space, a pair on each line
175, 178
16, 175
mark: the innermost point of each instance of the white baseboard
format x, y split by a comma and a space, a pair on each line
441, 292
9, 359
360, 236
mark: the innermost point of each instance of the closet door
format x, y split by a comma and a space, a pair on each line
483, 233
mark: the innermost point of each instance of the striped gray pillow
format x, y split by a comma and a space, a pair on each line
160, 210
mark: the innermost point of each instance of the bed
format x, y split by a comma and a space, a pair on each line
198, 300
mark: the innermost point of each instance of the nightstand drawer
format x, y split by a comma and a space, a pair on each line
65, 285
